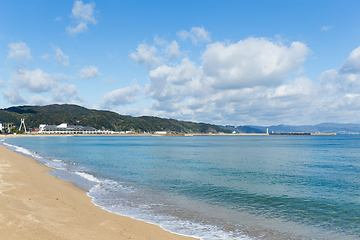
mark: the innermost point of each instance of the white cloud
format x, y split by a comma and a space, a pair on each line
84, 12
253, 81
61, 57
121, 96
173, 83
58, 19
196, 35
38, 100
352, 63
83, 15
334, 82
257, 105
301, 86
46, 57
337, 98
345, 79
89, 72
62, 93
13, 96
146, 54
160, 41
34, 81
340, 87
251, 62
19, 52
2, 83
80, 27
66, 94
246, 81
326, 28
173, 50
153, 56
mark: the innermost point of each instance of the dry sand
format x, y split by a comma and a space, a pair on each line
36, 205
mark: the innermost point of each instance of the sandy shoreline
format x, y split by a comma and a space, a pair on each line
36, 205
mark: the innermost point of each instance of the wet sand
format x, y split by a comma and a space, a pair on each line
36, 205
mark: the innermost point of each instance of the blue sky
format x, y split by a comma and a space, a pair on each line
223, 62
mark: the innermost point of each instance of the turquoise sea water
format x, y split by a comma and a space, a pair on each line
217, 187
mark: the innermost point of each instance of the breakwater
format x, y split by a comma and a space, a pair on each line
302, 134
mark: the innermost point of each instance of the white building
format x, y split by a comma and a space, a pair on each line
161, 132
164, 132
64, 128
1, 127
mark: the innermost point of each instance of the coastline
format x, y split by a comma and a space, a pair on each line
37, 205
166, 135
279, 227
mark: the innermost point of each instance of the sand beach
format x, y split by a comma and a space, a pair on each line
36, 205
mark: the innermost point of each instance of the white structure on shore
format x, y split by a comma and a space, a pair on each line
1, 127
161, 132
22, 124
64, 128
164, 132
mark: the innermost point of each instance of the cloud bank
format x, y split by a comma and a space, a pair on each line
252, 81
233, 81
255, 80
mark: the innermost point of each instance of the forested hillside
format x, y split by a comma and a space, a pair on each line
77, 115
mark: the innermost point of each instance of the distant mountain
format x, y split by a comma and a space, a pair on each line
339, 128
245, 129
77, 115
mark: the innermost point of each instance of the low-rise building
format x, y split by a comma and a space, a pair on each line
161, 132
6, 127
165, 132
64, 128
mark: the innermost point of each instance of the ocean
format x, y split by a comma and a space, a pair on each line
216, 187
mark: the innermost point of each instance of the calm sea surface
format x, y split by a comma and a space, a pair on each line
217, 187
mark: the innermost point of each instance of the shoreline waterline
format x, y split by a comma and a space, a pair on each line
30, 206
169, 135
259, 228
88, 186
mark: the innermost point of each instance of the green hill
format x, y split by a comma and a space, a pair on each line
77, 115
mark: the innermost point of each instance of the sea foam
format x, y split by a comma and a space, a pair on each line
88, 177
